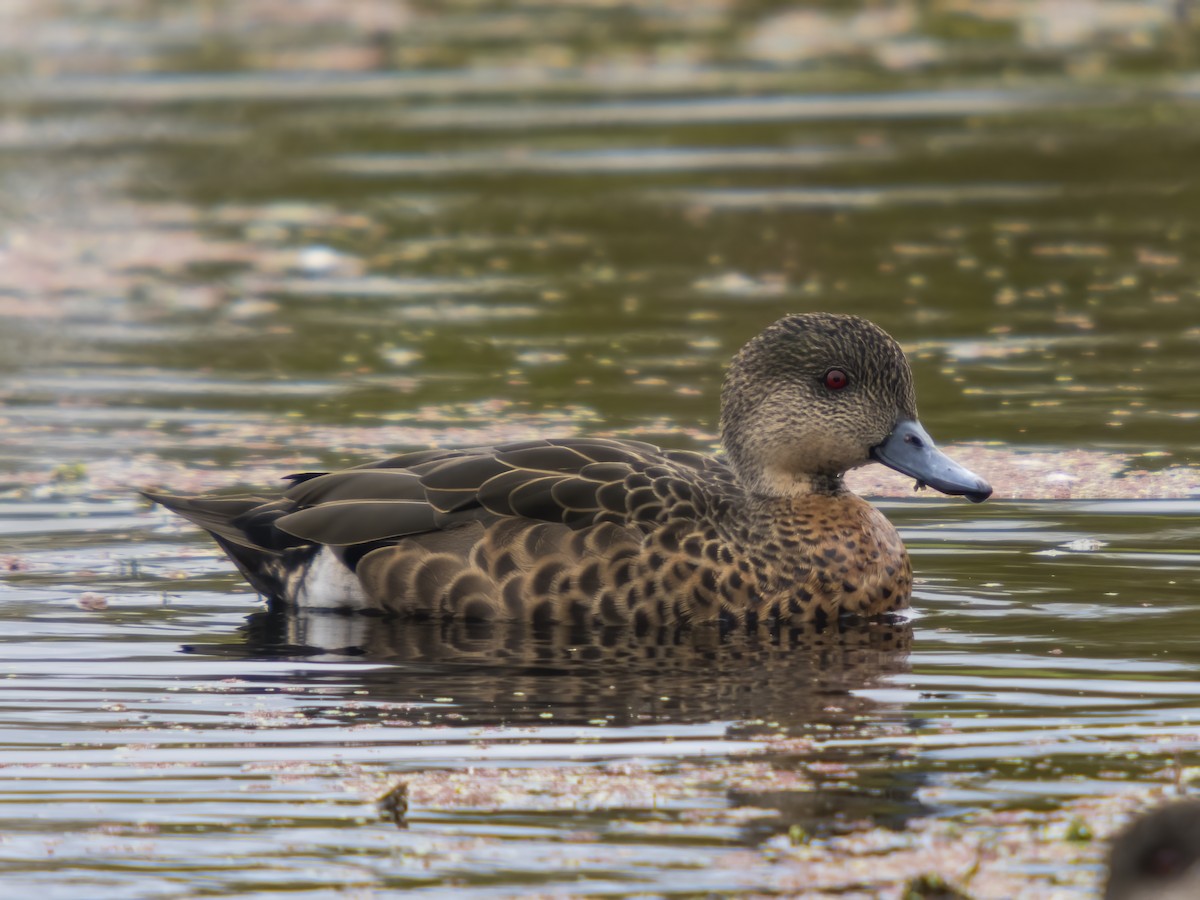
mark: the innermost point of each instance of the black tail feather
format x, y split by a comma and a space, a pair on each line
244, 528
217, 515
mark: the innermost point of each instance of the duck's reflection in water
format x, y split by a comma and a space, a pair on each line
511, 673
790, 677
805, 694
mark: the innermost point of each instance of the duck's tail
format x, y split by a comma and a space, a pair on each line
244, 527
219, 516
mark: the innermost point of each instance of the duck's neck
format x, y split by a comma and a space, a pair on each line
778, 474
779, 484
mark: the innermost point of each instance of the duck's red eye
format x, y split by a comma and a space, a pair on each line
836, 379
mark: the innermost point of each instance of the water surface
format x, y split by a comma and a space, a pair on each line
235, 243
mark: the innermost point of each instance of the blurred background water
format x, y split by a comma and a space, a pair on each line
239, 239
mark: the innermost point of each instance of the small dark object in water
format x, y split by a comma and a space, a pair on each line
393, 804
932, 887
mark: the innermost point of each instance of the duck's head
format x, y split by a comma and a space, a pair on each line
818, 394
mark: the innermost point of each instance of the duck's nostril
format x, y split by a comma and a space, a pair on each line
914, 440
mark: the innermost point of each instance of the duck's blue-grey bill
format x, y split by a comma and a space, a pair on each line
910, 450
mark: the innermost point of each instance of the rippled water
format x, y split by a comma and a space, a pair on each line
482, 222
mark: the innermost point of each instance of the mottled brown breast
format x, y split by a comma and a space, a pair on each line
824, 556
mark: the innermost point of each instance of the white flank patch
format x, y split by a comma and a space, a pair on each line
328, 583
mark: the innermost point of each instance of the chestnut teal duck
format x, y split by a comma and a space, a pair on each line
594, 531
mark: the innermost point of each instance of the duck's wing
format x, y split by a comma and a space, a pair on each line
575, 482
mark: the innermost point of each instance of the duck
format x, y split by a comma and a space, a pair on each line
590, 531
